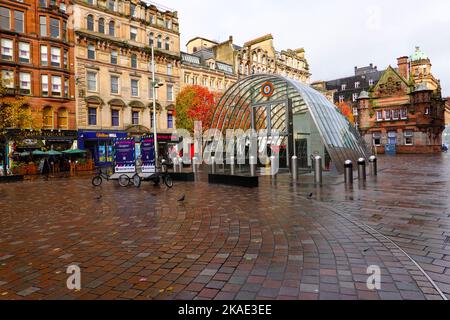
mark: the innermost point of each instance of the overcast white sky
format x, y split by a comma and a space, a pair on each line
337, 35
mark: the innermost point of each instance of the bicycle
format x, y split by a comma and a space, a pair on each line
125, 180
163, 175
98, 179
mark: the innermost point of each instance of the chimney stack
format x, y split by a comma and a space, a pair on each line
230, 38
402, 63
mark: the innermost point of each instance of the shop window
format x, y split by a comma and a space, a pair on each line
135, 118
115, 118
169, 121
5, 19
409, 137
377, 139
8, 78
44, 56
44, 85
25, 83
92, 116
47, 114
56, 86
7, 49
62, 118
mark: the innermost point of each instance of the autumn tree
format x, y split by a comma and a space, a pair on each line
194, 103
14, 114
346, 110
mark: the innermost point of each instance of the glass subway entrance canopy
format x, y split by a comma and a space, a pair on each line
308, 124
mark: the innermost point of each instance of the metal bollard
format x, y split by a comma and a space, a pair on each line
318, 170
373, 166
294, 168
348, 172
213, 165
180, 164
232, 166
362, 174
194, 164
252, 166
174, 161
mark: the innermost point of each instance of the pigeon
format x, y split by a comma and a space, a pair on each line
310, 196
182, 198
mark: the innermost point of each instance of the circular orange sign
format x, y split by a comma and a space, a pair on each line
267, 89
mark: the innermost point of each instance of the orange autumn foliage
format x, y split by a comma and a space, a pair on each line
346, 110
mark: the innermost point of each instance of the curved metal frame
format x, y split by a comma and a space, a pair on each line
339, 136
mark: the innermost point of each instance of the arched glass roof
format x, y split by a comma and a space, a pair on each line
340, 137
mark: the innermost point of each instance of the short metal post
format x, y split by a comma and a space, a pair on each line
252, 166
194, 164
213, 165
294, 168
232, 166
318, 170
273, 166
180, 164
362, 174
373, 166
348, 172
174, 160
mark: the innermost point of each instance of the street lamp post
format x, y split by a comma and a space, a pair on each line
154, 87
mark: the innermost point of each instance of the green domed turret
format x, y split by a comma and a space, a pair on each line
418, 55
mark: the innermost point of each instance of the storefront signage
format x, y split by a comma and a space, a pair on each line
43, 134
148, 154
124, 156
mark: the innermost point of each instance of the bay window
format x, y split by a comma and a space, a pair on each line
43, 26
56, 86
24, 52
133, 33
5, 19
19, 25
54, 28
55, 57
44, 56
7, 49
25, 83
44, 85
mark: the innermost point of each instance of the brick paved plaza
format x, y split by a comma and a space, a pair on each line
272, 242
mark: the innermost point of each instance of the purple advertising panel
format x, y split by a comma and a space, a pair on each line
124, 155
148, 154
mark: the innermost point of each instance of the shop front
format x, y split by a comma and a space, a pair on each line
26, 147
100, 145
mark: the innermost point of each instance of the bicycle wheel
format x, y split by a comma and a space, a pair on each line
168, 181
124, 180
97, 181
137, 181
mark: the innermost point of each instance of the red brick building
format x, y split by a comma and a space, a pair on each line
37, 61
405, 109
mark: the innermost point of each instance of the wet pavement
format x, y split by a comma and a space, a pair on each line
273, 242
